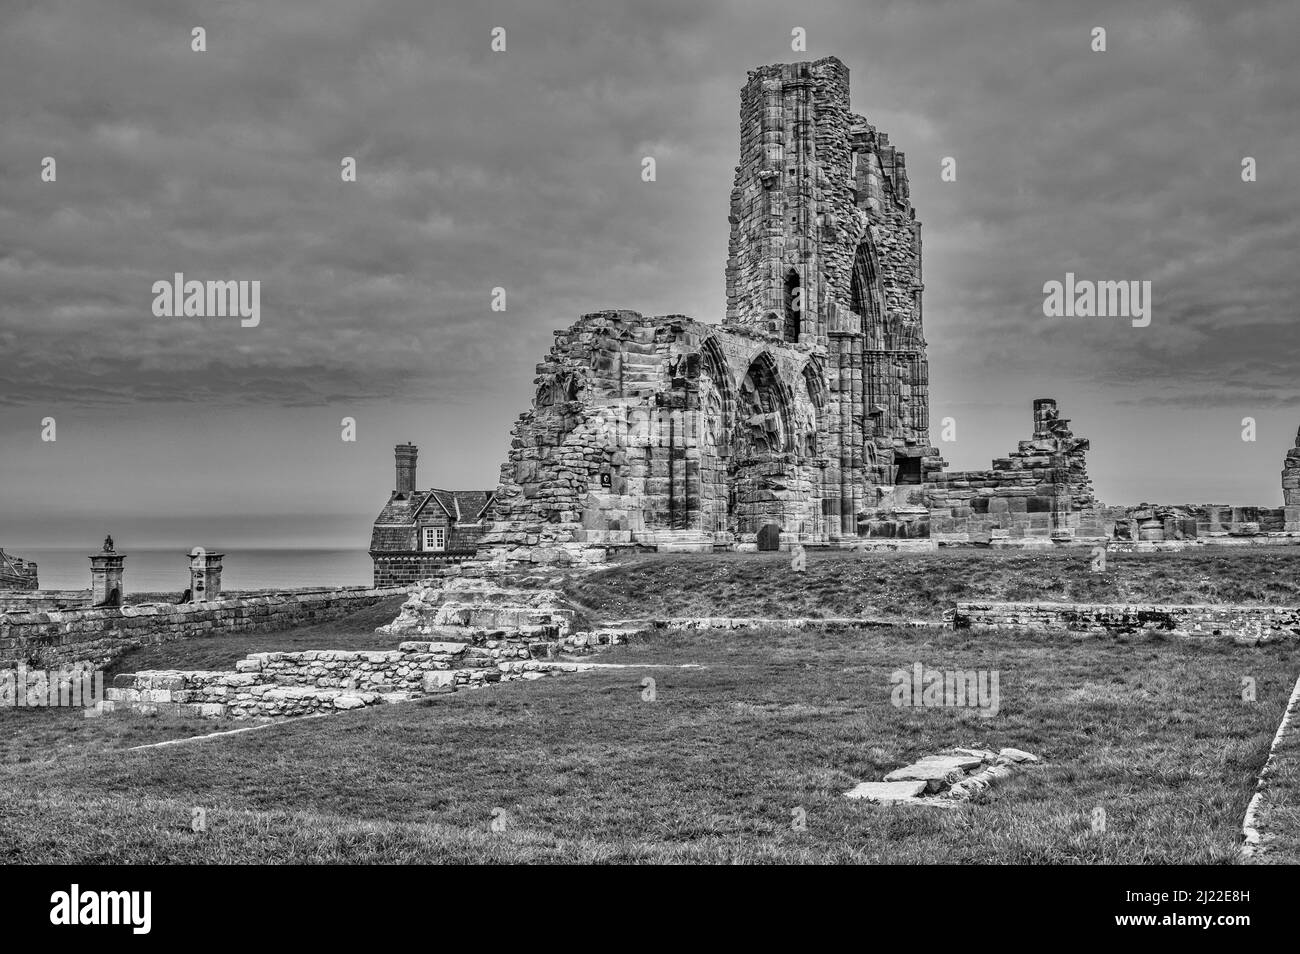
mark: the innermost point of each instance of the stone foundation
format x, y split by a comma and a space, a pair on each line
484, 633
1248, 625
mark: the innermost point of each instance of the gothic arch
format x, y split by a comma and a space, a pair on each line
718, 396
865, 292
763, 410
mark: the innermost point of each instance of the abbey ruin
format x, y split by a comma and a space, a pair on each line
802, 419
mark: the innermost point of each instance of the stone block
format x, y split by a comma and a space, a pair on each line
441, 681
904, 791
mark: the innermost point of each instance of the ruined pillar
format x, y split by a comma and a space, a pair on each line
1045, 414
855, 435
844, 363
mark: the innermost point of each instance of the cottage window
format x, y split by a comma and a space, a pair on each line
435, 538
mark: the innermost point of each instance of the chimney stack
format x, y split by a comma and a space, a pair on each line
406, 454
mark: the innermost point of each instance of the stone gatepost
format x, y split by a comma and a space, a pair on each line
205, 574
106, 576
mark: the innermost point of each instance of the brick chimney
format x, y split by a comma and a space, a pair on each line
406, 454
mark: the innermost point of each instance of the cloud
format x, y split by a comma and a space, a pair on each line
522, 170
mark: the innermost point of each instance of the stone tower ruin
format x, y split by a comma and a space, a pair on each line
820, 218
802, 418
799, 418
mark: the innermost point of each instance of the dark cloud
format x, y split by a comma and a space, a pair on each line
522, 170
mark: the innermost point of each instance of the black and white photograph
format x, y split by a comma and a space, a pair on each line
580, 432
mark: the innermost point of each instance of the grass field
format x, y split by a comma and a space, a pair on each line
38, 734
1280, 816
923, 585
354, 631
1152, 731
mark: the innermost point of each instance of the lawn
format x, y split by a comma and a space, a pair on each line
923, 585
30, 734
1279, 817
580, 768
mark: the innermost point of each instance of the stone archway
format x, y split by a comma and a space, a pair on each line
769, 537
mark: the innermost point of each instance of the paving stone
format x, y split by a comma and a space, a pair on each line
887, 791
934, 768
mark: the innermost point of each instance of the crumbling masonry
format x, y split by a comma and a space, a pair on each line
802, 419
797, 418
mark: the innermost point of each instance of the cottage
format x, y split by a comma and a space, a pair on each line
420, 531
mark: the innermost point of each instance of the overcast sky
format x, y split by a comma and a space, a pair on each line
522, 169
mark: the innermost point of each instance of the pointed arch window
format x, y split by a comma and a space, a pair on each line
864, 287
793, 306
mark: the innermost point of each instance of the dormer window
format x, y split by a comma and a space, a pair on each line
435, 538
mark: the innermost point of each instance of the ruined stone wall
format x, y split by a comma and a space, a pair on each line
779, 426
1244, 624
1039, 491
318, 682
99, 636
663, 432
1291, 488
39, 601
475, 633
821, 205
17, 573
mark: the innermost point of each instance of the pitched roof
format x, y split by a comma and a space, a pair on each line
462, 506
472, 503
402, 509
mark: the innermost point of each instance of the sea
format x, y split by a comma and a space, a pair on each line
167, 570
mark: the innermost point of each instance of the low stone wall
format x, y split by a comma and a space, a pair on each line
98, 636
762, 622
1243, 624
40, 601
276, 685
475, 633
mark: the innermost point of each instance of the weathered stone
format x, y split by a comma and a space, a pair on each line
1018, 755
888, 791
934, 768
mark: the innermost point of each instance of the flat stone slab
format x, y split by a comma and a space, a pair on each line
887, 791
934, 768
1018, 755
984, 755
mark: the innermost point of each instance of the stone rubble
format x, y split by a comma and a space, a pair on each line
943, 780
482, 634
